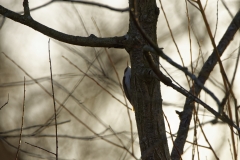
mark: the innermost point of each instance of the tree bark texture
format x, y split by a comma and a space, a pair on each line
146, 95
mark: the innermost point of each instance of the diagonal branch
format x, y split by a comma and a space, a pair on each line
82, 2
185, 116
167, 81
154, 49
203, 76
147, 48
91, 41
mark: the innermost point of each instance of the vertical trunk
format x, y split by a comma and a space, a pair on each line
146, 95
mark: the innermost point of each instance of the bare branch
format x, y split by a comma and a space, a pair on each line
82, 2
5, 103
72, 114
167, 81
183, 69
97, 83
91, 41
2, 22
164, 79
54, 104
40, 148
154, 49
96, 4
26, 8
24, 151
20, 137
203, 76
34, 126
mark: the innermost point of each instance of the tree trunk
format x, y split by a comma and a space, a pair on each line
145, 90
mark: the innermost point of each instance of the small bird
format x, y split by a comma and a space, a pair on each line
127, 83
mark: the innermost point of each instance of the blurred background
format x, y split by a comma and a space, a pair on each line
97, 105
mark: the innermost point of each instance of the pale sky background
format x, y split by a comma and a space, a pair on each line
29, 49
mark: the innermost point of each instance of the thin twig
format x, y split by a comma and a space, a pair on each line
205, 135
29, 153
83, 138
232, 83
191, 142
171, 134
225, 5
106, 140
191, 2
192, 76
164, 79
204, 6
165, 16
195, 143
222, 71
70, 94
194, 136
154, 49
40, 148
2, 22
61, 104
189, 37
104, 90
119, 82
73, 115
81, 2
5, 103
34, 126
230, 148
20, 137
85, 29
92, 40
116, 135
26, 9
55, 110
223, 117
96, 82
216, 22
180, 89
231, 129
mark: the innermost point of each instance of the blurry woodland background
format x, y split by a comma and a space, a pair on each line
95, 107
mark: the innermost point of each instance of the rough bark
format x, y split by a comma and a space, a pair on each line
146, 95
